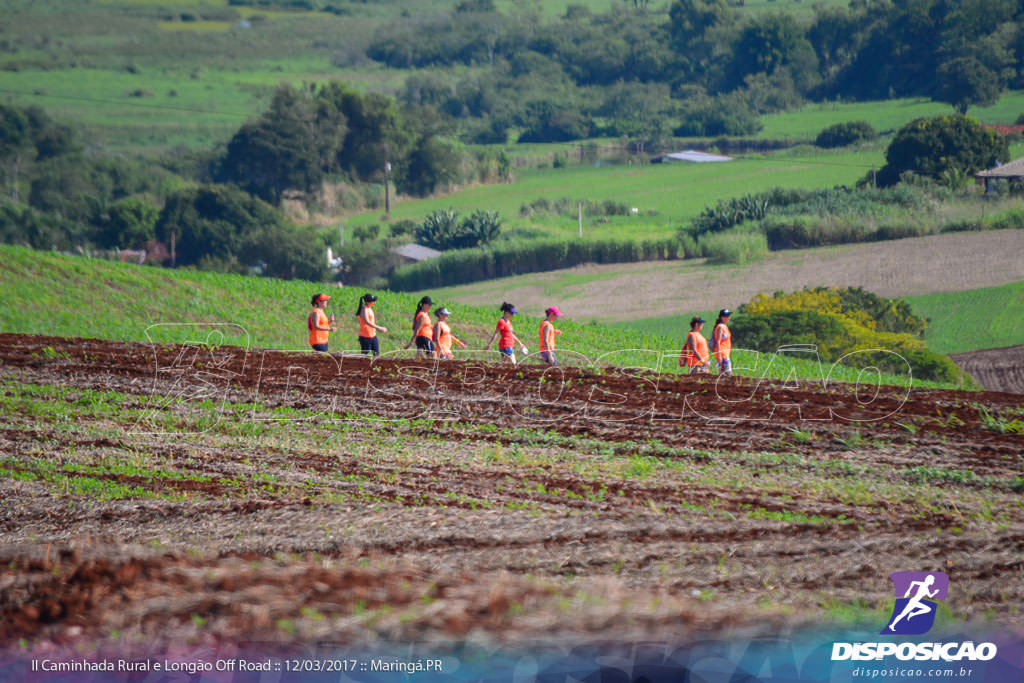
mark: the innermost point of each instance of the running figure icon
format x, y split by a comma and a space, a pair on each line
918, 595
915, 607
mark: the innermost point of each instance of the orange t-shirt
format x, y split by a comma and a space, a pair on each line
426, 328
365, 320
547, 335
445, 337
318, 318
724, 341
698, 342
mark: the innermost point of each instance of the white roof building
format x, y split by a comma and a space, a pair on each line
693, 157
416, 252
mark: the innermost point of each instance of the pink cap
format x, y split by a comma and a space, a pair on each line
553, 311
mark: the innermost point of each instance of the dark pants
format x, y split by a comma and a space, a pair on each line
370, 345
424, 344
320, 347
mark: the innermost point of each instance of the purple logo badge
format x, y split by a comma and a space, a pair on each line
917, 596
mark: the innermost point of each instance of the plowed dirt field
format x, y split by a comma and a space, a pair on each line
995, 369
194, 494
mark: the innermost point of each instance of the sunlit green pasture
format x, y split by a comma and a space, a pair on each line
664, 194
987, 318
885, 117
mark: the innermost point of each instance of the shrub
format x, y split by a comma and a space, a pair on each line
402, 228
843, 134
219, 227
439, 230
460, 266
835, 337
132, 223
568, 207
443, 230
852, 303
929, 147
482, 226
726, 214
798, 232
734, 247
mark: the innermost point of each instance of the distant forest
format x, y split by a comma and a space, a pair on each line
702, 70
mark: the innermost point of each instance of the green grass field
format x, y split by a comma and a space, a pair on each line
54, 294
885, 117
988, 318
672, 191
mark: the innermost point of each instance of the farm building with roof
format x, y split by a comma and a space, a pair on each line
1013, 171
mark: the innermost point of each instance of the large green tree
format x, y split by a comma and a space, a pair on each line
223, 228
964, 82
772, 43
932, 146
289, 147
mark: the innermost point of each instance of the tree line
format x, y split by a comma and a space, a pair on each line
703, 69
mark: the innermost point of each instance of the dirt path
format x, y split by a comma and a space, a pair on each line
907, 267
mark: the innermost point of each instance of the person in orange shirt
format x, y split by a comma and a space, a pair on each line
368, 327
695, 352
506, 338
423, 329
320, 326
547, 335
721, 342
443, 336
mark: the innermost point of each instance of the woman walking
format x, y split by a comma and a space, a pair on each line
423, 329
320, 326
547, 335
506, 337
368, 327
443, 336
721, 342
695, 351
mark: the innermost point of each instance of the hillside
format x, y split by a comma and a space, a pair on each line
79, 297
908, 267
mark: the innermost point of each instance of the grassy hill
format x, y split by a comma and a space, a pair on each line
670, 192
623, 292
54, 294
985, 318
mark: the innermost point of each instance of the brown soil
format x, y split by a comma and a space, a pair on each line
422, 525
995, 369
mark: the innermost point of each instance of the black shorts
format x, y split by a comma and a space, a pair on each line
425, 344
370, 345
320, 347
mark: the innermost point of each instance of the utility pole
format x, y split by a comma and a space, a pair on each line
387, 192
341, 233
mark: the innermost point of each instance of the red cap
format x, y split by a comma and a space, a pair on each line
553, 311
323, 297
